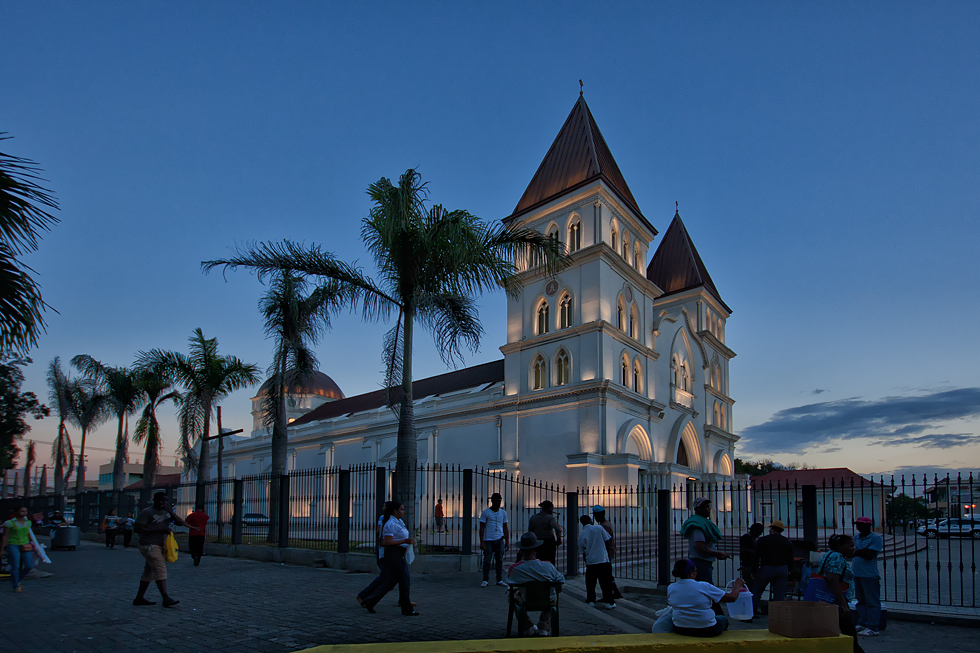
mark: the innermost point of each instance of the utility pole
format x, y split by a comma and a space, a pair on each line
221, 446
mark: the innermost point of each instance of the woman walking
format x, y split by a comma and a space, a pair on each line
111, 527
395, 540
16, 542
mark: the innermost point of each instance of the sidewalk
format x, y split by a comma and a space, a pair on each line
233, 604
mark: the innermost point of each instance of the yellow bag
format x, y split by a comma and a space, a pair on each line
170, 548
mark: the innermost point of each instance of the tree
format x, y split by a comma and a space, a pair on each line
30, 458
124, 396
59, 394
154, 382
903, 509
90, 409
207, 378
760, 468
15, 406
431, 263
23, 214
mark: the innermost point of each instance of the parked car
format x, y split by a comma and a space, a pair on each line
254, 521
965, 527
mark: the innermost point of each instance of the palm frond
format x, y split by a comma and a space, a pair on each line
21, 306
392, 350
22, 203
453, 320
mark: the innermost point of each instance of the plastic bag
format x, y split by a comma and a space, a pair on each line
170, 548
410, 554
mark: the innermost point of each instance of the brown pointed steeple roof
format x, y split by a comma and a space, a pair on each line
677, 266
578, 156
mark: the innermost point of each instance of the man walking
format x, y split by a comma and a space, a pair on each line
774, 554
440, 515
592, 543
599, 514
197, 523
494, 538
531, 569
545, 527
747, 553
153, 527
702, 534
867, 582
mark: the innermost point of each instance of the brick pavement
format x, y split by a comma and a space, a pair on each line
232, 604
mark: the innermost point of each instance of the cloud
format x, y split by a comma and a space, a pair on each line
819, 391
889, 421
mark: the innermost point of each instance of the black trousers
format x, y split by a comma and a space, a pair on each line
110, 537
602, 573
127, 537
196, 545
393, 572
548, 551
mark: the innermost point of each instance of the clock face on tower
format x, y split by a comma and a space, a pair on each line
552, 287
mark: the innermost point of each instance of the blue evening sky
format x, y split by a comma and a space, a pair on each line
825, 158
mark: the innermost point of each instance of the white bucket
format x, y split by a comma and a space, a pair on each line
740, 608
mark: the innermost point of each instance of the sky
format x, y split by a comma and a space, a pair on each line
824, 157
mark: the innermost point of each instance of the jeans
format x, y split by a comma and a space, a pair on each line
376, 583
18, 558
867, 590
395, 572
494, 548
721, 625
705, 570
777, 576
602, 573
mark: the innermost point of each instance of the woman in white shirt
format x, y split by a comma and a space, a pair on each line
395, 539
691, 602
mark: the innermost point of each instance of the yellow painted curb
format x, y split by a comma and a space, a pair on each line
742, 641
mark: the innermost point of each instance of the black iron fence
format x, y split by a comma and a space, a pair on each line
931, 537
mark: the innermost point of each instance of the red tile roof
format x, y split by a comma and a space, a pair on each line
578, 156
676, 266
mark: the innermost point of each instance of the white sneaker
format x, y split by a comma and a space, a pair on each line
484, 584
859, 630
502, 583
531, 632
607, 606
868, 632
544, 633
591, 604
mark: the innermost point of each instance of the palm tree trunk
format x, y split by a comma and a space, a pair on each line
204, 460
80, 474
152, 448
59, 462
279, 446
118, 465
407, 445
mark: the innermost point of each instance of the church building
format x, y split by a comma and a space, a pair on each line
615, 371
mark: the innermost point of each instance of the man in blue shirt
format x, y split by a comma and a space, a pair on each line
867, 581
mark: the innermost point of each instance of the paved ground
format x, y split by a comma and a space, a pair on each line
230, 604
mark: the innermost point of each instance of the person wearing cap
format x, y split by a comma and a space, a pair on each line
494, 538
867, 582
529, 570
774, 556
702, 534
592, 543
545, 527
599, 515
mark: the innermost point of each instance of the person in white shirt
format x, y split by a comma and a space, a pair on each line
592, 542
530, 569
395, 539
690, 601
494, 538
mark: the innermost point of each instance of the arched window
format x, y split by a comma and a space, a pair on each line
540, 373
575, 236
716, 415
620, 315
565, 312
685, 378
615, 239
724, 417
626, 246
624, 367
634, 321
637, 374
543, 318
562, 368
636, 258
682, 454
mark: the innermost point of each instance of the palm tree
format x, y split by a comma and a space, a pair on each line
125, 396
207, 378
90, 409
432, 262
59, 394
155, 384
22, 216
29, 458
295, 323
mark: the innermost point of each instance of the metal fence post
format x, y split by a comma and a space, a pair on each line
380, 492
663, 537
343, 511
283, 511
810, 514
237, 510
571, 535
466, 529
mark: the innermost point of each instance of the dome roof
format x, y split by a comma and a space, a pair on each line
316, 383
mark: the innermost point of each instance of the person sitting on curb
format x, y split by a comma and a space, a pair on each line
691, 602
530, 569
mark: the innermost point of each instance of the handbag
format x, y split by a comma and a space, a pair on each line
817, 588
170, 548
27, 548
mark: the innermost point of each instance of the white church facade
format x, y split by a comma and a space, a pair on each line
614, 372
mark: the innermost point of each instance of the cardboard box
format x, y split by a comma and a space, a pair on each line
803, 619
